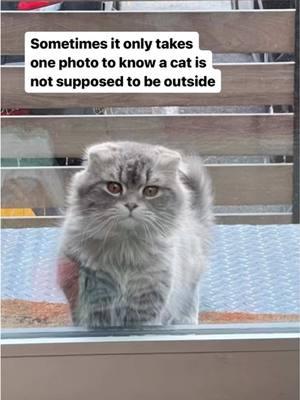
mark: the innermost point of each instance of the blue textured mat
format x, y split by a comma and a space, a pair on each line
253, 268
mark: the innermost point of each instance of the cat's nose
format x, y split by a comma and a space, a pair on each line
131, 206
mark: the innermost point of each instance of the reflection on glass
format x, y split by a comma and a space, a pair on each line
47, 272
252, 273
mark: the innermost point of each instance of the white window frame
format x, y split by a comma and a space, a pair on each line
213, 362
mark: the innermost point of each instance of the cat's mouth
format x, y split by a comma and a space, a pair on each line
129, 221
131, 218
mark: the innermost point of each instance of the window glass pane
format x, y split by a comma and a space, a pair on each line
251, 273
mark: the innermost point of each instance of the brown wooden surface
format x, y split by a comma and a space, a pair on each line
240, 184
222, 32
30, 222
254, 218
215, 134
224, 219
242, 84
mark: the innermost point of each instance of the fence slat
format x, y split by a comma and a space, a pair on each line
234, 184
214, 134
242, 84
254, 218
224, 219
223, 31
30, 222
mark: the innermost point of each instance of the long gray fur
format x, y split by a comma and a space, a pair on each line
142, 268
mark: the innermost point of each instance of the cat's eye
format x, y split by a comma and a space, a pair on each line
150, 191
114, 187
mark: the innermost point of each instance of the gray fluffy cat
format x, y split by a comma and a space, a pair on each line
138, 226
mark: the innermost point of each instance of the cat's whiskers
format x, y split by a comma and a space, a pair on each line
155, 226
161, 224
148, 234
111, 225
97, 224
152, 221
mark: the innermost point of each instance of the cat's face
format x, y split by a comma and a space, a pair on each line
130, 187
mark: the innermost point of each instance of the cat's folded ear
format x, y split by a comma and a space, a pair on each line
100, 154
168, 158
